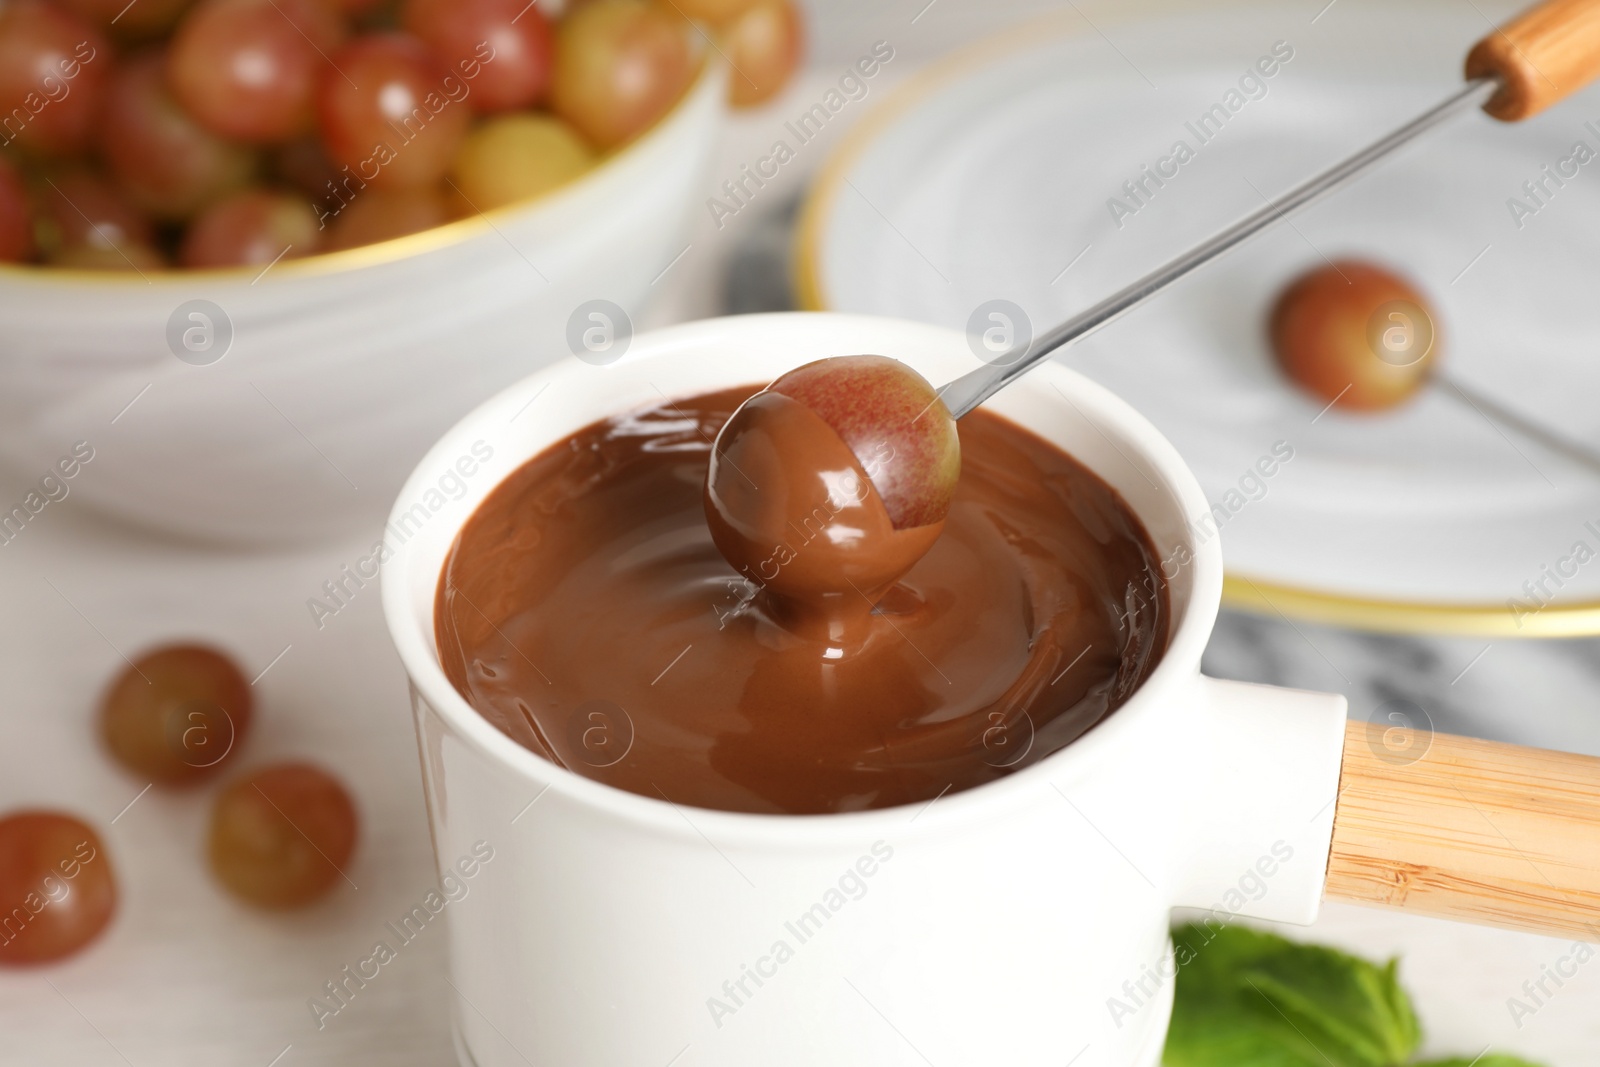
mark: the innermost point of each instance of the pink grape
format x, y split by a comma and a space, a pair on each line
168, 163
507, 43
247, 69
254, 227
390, 115
53, 67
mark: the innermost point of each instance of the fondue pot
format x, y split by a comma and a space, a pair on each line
993, 925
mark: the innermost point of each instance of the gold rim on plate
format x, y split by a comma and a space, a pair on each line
1238, 591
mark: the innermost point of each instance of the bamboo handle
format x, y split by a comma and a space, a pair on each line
1471, 830
1543, 55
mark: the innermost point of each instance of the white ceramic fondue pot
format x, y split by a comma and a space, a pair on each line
1024, 922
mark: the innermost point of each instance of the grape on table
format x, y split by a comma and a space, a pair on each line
282, 836
57, 889
177, 714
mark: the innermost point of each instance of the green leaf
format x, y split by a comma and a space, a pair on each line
1252, 999
1494, 1059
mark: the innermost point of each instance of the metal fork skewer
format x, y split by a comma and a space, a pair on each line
968, 391
1548, 439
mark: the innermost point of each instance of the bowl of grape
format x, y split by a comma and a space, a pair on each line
256, 254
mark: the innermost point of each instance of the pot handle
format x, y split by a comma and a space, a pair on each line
1255, 810
1472, 830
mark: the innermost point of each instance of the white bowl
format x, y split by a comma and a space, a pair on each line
343, 367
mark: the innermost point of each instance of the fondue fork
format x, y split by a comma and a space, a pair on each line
1541, 56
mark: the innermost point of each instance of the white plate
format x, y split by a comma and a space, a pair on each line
987, 177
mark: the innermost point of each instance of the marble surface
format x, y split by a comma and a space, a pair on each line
187, 977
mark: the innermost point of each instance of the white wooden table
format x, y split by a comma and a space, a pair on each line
185, 976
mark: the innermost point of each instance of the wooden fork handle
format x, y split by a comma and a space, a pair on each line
1473, 830
1544, 55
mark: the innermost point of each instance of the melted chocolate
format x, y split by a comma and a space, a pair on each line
586, 612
